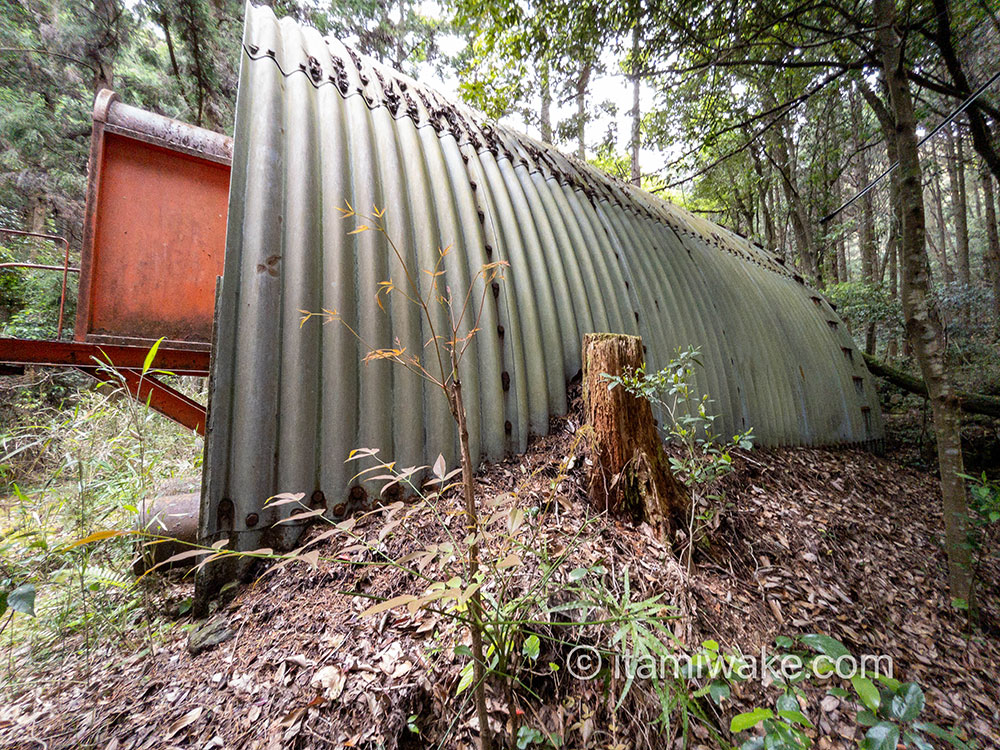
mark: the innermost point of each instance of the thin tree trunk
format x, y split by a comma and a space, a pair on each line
867, 239
164, 23
956, 175
636, 176
782, 224
781, 148
546, 113
977, 206
893, 348
842, 259
581, 111
475, 601
922, 325
935, 189
38, 212
865, 223
982, 136
766, 207
992, 257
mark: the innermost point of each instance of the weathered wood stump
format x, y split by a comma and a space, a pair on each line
630, 473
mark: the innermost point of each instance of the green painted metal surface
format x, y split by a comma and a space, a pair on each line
318, 126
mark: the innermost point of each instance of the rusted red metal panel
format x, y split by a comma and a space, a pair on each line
155, 230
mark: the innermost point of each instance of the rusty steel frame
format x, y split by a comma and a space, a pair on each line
64, 268
85, 354
154, 230
122, 365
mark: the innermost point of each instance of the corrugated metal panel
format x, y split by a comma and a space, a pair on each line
316, 126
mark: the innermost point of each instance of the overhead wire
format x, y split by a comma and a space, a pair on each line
885, 173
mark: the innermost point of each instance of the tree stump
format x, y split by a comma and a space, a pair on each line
631, 473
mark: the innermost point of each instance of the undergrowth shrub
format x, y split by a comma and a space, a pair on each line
75, 470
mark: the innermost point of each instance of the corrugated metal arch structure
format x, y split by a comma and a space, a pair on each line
317, 125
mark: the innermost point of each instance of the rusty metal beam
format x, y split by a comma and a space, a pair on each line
168, 401
80, 354
38, 266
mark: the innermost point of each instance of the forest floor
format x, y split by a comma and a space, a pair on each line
844, 543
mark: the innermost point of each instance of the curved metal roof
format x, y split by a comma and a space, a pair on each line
318, 125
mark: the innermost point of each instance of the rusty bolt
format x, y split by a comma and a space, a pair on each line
340, 509
318, 499
508, 427
252, 520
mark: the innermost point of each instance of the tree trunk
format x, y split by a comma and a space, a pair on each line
866, 227
971, 403
38, 212
475, 601
946, 269
636, 175
956, 175
993, 244
631, 473
781, 148
842, 260
546, 116
982, 135
766, 209
893, 349
867, 239
581, 111
922, 325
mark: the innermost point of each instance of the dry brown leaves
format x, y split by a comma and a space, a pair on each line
843, 543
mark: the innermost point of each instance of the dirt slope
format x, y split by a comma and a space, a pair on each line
843, 543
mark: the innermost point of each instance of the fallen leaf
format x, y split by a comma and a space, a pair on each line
185, 721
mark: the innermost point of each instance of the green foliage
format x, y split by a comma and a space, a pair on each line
71, 472
20, 599
984, 500
888, 711
528, 737
672, 390
402, 34
984, 515
177, 57
863, 304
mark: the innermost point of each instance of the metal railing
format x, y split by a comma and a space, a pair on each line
65, 267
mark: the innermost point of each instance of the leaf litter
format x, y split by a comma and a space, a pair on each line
843, 542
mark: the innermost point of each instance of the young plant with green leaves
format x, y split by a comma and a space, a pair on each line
984, 507
888, 711
673, 392
79, 475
